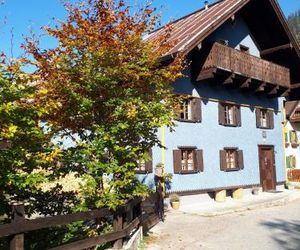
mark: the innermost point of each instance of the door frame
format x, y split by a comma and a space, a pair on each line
272, 147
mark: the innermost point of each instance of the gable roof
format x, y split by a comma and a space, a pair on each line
189, 31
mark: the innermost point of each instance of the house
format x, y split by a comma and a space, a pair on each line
244, 61
291, 140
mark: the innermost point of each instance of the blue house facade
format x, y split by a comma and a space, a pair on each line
229, 132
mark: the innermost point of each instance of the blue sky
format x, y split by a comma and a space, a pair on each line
17, 17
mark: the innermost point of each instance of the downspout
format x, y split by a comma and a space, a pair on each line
163, 143
283, 141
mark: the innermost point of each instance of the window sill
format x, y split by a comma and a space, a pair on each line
232, 170
185, 172
187, 121
268, 128
230, 125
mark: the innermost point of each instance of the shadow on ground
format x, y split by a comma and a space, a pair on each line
285, 233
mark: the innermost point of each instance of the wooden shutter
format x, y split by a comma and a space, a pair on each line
223, 160
199, 160
270, 119
288, 162
240, 158
221, 114
149, 164
177, 161
196, 110
293, 161
257, 113
238, 118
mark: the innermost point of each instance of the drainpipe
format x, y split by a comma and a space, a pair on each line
283, 141
163, 143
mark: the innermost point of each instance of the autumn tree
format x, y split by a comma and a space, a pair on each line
106, 89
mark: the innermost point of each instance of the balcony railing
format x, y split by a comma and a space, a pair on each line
242, 63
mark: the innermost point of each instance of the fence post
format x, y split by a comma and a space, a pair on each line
18, 215
118, 226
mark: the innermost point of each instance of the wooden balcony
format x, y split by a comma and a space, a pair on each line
235, 64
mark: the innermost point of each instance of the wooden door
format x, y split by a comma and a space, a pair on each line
267, 168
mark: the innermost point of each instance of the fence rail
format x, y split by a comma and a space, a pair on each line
126, 219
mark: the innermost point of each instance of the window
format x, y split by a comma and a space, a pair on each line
186, 110
294, 139
264, 118
229, 115
190, 110
291, 161
231, 159
286, 139
145, 167
188, 160
244, 49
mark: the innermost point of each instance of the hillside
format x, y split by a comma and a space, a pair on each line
294, 21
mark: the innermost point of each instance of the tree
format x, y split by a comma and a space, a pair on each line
294, 22
26, 151
106, 89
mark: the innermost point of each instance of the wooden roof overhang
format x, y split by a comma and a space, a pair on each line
273, 36
267, 25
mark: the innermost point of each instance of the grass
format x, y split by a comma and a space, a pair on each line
147, 240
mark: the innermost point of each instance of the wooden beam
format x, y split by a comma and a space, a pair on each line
295, 86
199, 46
274, 49
274, 91
229, 79
261, 87
286, 93
206, 74
246, 84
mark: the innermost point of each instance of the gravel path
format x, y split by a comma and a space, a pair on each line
267, 229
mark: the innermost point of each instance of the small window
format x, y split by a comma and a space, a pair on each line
186, 110
286, 137
244, 49
264, 118
291, 161
231, 159
145, 167
190, 110
229, 115
293, 137
188, 160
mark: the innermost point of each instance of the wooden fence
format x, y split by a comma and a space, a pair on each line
125, 220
